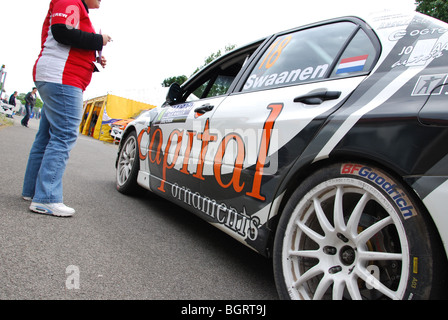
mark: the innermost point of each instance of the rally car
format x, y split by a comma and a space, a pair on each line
118, 127
323, 147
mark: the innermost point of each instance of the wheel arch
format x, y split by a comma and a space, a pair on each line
302, 169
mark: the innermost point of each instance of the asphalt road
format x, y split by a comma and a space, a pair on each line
115, 247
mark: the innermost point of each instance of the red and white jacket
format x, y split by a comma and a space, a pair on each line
69, 45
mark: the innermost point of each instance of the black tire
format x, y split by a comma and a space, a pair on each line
325, 246
128, 166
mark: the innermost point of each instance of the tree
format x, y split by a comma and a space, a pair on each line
215, 56
169, 81
434, 8
181, 79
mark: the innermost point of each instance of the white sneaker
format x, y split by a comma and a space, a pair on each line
55, 209
27, 198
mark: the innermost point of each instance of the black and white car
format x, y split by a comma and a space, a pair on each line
324, 147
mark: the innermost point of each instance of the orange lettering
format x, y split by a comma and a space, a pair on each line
205, 137
153, 137
238, 165
165, 158
263, 151
139, 143
190, 134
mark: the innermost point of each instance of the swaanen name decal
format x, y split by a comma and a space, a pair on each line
168, 159
285, 77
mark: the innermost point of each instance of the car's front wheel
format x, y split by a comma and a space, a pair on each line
128, 166
352, 231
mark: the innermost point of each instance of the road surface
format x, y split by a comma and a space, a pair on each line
115, 247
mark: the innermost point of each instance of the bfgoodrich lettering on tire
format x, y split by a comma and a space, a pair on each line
352, 231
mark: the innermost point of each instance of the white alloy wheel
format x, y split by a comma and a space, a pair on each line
343, 236
128, 165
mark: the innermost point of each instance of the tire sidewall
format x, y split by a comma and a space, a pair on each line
131, 183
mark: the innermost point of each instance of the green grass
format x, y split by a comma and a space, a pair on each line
4, 121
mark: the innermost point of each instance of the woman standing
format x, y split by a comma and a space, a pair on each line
62, 72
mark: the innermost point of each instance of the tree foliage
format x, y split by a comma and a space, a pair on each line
181, 79
434, 8
169, 81
215, 56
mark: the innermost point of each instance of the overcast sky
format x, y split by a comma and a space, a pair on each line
154, 40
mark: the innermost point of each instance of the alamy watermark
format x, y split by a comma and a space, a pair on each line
73, 278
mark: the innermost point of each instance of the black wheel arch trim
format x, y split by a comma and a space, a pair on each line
305, 167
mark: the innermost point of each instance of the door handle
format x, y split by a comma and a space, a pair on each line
315, 98
204, 108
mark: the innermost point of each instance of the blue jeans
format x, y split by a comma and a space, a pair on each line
57, 134
26, 118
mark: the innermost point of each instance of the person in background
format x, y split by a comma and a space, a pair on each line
12, 102
12, 99
61, 73
30, 101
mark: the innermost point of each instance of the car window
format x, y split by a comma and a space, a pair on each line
216, 81
358, 57
212, 88
199, 91
302, 56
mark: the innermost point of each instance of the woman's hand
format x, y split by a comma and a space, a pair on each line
103, 62
106, 39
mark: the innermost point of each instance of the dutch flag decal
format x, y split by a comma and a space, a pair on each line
352, 64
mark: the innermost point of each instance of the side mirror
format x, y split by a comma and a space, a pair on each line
174, 94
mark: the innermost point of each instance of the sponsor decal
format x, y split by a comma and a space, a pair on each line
167, 157
397, 35
418, 54
285, 77
427, 83
384, 183
177, 113
393, 21
238, 222
353, 64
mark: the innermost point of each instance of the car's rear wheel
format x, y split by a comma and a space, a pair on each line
128, 166
352, 231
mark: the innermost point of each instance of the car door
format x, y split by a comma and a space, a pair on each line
180, 135
277, 108
174, 149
